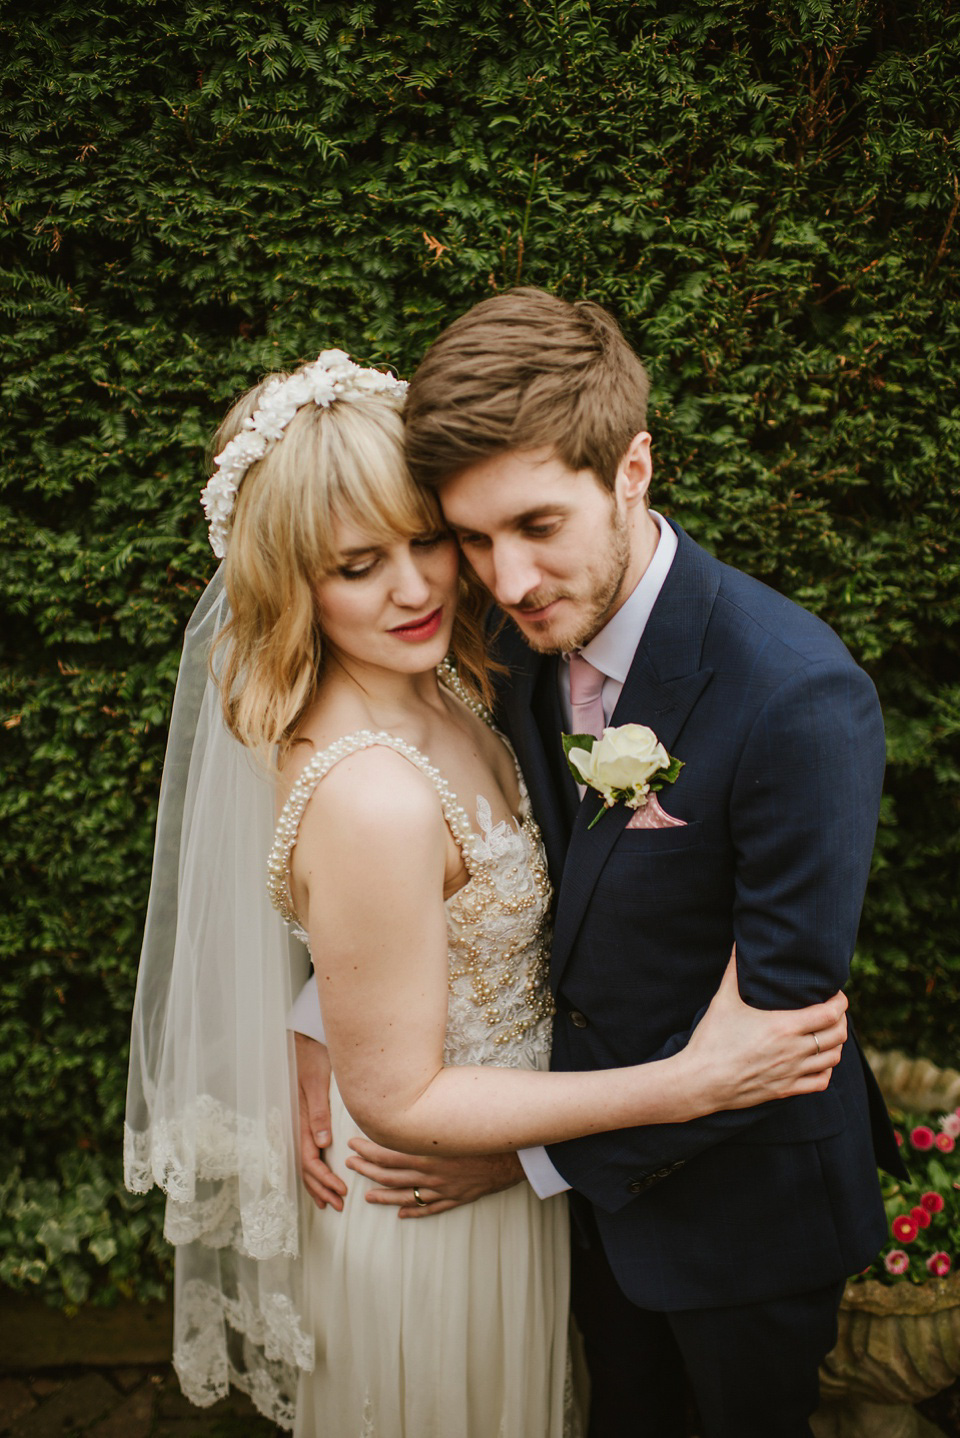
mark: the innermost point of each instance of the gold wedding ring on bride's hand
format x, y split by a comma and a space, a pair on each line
421, 1202
817, 1055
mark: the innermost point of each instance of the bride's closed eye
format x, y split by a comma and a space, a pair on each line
364, 565
359, 571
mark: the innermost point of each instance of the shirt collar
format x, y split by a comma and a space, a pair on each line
612, 650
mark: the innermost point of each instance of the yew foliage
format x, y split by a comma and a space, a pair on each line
193, 193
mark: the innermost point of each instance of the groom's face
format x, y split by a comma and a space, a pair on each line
550, 543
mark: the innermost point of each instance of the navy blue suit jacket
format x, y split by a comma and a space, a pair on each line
783, 748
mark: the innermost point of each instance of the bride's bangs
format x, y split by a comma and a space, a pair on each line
368, 484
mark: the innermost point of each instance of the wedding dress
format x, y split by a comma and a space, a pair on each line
453, 1326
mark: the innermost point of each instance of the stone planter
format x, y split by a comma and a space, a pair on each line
895, 1346
914, 1084
900, 1344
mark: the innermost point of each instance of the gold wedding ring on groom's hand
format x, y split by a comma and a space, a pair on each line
817, 1055
421, 1202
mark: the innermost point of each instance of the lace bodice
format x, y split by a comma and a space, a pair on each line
499, 1006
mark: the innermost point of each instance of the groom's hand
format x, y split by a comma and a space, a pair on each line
313, 1096
442, 1183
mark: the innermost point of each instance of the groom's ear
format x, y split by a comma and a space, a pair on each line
635, 470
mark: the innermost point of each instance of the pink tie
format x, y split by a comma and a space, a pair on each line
586, 688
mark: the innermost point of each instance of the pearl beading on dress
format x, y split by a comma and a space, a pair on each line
288, 825
500, 1004
451, 680
499, 952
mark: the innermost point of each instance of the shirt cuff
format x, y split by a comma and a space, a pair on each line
304, 1016
542, 1177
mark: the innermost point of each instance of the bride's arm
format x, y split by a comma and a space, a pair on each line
369, 868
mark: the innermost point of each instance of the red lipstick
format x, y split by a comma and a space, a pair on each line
420, 629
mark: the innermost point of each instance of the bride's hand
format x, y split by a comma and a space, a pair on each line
744, 1056
313, 1095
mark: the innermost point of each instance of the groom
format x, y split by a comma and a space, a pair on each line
719, 1247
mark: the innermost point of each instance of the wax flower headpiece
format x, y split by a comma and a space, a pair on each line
332, 376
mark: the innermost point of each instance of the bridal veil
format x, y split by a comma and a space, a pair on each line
211, 1102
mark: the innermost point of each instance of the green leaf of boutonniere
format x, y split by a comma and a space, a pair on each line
577, 741
670, 775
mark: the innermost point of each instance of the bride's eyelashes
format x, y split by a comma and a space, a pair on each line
360, 569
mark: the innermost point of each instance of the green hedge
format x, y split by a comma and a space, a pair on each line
194, 193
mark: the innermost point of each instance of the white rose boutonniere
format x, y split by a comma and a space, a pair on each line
625, 766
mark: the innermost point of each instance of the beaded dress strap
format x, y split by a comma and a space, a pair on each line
288, 825
451, 680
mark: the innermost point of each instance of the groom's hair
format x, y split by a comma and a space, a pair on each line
525, 370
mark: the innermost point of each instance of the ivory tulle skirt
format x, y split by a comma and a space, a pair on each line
448, 1327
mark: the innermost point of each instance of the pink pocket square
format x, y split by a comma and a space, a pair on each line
651, 816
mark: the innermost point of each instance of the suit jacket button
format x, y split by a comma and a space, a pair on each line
577, 1019
637, 1185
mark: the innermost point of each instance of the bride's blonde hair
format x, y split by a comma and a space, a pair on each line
345, 464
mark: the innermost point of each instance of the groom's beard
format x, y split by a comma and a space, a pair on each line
591, 601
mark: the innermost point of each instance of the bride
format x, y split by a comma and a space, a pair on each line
405, 859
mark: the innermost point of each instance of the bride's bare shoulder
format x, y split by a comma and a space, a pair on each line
373, 825
319, 732
371, 794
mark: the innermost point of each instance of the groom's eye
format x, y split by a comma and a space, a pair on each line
543, 529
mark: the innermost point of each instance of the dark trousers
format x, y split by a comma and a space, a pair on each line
752, 1368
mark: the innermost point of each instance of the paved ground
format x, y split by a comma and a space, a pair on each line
146, 1402
118, 1403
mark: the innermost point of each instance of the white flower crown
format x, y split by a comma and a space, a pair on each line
333, 375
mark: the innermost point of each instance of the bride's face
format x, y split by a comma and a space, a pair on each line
390, 606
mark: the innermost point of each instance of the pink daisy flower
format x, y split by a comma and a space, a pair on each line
920, 1216
950, 1123
922, 1137
904, 1228
945, 1143
939, 1264
932, 1202
896, 1261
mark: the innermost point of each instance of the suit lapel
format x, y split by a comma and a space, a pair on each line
663, 685
526, 692
550, 721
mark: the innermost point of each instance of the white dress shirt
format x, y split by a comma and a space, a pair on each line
611, 651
